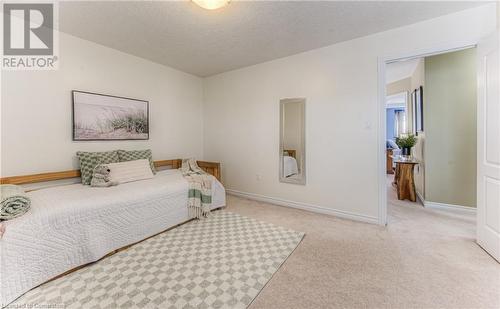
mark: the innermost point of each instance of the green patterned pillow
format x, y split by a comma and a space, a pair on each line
89, 160
132, 155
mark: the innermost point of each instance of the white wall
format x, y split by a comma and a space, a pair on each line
340, 84
36, 107
399, 86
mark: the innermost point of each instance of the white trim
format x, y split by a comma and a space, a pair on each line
420, 197
382, 147
442, 206
400, 99
381, 155
299, 205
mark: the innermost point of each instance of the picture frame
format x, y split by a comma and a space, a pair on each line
103, 117
418, 110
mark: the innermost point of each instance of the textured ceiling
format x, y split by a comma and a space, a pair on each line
182, 35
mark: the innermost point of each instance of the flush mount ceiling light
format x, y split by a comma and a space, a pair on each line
211, 4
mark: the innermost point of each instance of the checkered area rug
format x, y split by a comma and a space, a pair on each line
219, 262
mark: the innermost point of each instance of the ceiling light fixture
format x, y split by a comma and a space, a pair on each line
211, 4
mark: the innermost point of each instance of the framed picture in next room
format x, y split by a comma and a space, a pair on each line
101, 117
418, 110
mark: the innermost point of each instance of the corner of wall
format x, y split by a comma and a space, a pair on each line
203, 116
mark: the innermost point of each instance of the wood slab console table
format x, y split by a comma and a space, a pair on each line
403, 178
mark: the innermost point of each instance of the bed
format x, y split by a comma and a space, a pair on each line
290, 166
73, 225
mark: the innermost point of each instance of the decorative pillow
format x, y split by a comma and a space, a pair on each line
129, 171
132, 155
392, 144
101, 178
89, 160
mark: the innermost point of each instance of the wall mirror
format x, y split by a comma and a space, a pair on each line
292, 141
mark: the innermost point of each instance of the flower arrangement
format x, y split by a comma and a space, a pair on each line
405, 142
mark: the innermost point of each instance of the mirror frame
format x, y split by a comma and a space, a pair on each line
302, 180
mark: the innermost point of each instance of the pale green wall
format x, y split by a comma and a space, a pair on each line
450, 128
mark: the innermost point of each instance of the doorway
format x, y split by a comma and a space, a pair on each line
488, 153
431, 145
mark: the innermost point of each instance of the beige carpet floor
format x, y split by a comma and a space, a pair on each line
423, 259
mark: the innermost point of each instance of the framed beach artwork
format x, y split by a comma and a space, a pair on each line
100, 117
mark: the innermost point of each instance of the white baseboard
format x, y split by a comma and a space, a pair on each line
309, 207
443, 206
421, 198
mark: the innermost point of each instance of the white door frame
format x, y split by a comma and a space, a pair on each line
381, 151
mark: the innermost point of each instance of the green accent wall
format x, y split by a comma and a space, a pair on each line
450, 128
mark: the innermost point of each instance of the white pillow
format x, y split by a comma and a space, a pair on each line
128, 171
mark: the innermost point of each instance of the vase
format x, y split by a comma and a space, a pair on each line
406, 151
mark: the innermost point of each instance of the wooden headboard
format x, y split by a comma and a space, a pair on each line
212, 168
291, 152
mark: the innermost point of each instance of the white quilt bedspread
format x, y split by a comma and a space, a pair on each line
289, 166
68, 226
